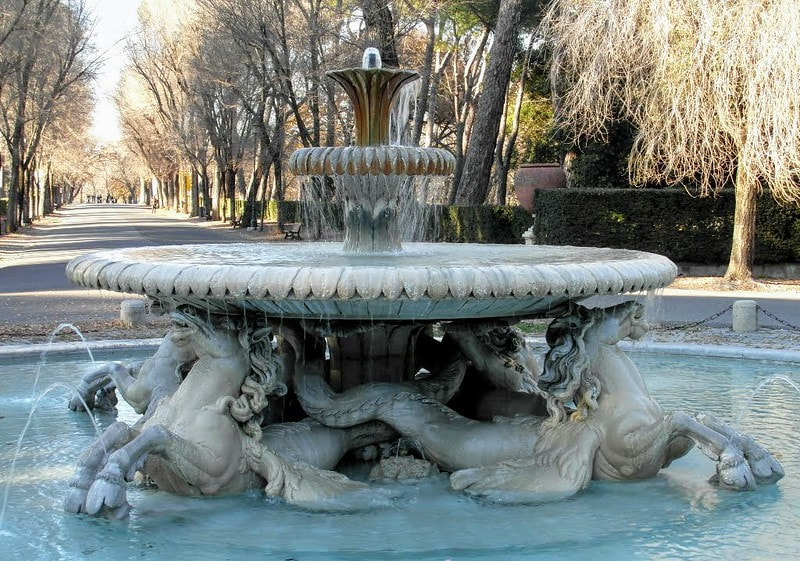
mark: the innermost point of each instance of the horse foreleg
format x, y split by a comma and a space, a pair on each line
137, 393
89, 385
92, 460
108, 492
732, 470
765, 467
193, 465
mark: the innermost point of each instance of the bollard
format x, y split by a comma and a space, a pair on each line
745, 316
529, 236
132, 312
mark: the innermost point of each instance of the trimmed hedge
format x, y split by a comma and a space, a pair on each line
665, 221
277, 211
454, 224
478, 224
284, 212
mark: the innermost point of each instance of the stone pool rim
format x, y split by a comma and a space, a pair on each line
27, 351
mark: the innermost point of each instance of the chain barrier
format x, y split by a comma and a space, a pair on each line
702, 321
776, 318
718, 314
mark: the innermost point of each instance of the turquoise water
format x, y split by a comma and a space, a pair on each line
676, 515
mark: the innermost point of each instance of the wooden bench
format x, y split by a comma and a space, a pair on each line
291, 230
236, 223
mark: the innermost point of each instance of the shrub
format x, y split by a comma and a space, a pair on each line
478, 224
665, 221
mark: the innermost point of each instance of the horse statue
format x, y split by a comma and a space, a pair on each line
142, 384
601, 423
206, 438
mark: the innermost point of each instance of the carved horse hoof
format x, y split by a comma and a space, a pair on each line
106, 398
765, 468
75, 502
107, 495
82, 400
733, 472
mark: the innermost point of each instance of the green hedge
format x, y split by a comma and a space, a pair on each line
277, 211
665, 221
455, 224
284, 212
478, 224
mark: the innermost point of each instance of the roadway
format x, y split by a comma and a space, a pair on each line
33, 286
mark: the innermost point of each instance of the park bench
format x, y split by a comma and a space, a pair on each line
291, 230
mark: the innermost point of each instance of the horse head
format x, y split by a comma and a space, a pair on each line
613, 324
567, 377
213, 335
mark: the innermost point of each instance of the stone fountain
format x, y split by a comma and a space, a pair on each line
284, 359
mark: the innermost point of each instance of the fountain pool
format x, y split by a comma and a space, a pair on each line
676, 515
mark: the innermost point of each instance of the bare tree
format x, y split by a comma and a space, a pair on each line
144, 132
507, 139
711, 88
62, 148
466, 73
45, 52
161, 53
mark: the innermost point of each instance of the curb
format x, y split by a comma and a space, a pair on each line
718, 351
688, 349
37, 350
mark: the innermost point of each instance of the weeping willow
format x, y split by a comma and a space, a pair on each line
712, 87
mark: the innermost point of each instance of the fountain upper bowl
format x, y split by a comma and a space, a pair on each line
424, 282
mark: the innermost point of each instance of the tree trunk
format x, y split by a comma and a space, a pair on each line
380, 29
474, 182
426, 72
177, 192
497, 184
25, 217
47, 200
740, 266
230, 187
195, 210
506, 153
207, 201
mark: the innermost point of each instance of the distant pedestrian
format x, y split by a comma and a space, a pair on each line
155, 205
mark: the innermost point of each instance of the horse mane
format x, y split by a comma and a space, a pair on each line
264, 380
567, 375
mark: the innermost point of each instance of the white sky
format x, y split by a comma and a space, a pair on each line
114, 20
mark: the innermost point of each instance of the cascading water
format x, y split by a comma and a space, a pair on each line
373, 179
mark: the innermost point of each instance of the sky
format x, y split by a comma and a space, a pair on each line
114, 19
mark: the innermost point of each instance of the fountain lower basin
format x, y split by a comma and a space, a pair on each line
424, 282
692, 521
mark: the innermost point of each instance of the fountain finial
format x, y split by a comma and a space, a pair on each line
372, 90
371, 58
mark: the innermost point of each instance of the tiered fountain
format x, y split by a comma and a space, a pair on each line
359, 364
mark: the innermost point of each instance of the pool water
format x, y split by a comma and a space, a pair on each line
676, 515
